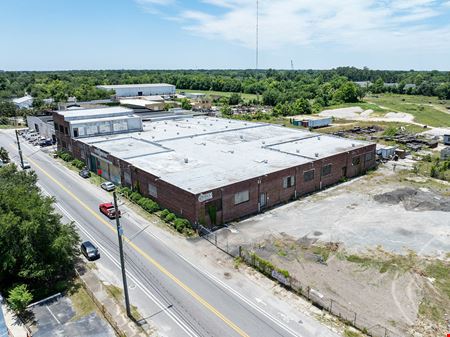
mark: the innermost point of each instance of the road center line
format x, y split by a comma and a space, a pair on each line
191, 292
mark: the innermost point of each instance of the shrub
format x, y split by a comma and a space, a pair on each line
65, 156
125, 191
135, 197
148, 204
170, 217
19, 297
164, 213
78, 164
181, 224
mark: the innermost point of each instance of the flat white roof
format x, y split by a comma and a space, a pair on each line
138, 102
144, 85
99, 112
203, 153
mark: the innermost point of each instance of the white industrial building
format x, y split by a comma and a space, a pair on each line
131, 90
24, 102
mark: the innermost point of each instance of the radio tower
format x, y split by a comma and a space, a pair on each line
292, 65
257, 32
257, 47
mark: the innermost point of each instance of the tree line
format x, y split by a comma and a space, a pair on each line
273, 86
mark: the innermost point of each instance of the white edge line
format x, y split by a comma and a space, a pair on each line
163, 308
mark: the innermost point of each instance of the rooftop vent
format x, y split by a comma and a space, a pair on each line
298, 151
263, 142
154, 127
316, 154
241, 136
265, 161
164, 130
318, 138
153, 137
210, 124
186, 160
353, 144
178, 133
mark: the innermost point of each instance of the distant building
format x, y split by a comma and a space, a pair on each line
24, 102
312, 121
363, 84
131, 90
143, 103
447, 139
43, 125
445, 153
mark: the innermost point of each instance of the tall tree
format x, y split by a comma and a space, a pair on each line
36, 249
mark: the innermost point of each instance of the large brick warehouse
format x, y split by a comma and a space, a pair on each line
206, 169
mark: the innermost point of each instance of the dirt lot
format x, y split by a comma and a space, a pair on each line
349, 213
390, 226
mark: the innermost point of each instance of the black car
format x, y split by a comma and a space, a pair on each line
84, 173
89, 251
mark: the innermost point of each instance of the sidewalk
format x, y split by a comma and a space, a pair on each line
111, 310
14, 325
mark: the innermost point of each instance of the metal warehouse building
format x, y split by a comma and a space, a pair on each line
130, 90
212, 170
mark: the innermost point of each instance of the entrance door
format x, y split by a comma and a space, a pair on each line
262, 200
344, 171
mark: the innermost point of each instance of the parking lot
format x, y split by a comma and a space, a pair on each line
58, 317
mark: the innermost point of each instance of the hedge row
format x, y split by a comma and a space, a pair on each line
66, 156
180, 224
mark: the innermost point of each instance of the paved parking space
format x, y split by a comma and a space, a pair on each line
55, 317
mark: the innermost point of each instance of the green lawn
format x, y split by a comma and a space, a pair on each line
426, 110
219, 93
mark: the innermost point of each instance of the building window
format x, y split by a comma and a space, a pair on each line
152, 191
56, 126
308, 175
75, 132
61, 129
369, 156
66, 131
288, 181
241, 197
356, 161
326, 170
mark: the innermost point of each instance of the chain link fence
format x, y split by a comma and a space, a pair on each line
283, 277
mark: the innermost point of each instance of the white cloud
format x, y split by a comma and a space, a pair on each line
154, 6
370, 26
366, 24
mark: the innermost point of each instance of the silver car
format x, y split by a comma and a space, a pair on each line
26, 165
108, 186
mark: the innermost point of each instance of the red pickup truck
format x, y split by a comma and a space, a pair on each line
108, 209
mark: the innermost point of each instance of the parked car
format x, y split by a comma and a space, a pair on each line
108, 210
84, 173
89, 251
45, 142
26, 165
108, 186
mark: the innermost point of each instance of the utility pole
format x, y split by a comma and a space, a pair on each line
20, 150
122, 261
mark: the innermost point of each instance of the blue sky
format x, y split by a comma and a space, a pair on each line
201, 34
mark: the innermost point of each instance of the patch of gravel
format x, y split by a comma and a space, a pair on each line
415, 199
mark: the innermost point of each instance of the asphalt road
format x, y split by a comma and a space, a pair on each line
179, 299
